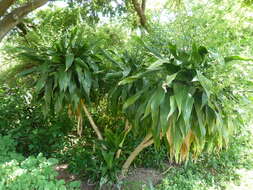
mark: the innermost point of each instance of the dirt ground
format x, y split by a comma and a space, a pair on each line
136, 179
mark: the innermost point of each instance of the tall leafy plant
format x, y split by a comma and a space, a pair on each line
66, 74
173, 98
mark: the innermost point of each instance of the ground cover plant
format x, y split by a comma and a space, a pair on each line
18, 172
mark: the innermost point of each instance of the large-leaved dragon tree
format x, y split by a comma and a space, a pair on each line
171, 95
65, 74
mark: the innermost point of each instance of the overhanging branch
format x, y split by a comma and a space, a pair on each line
13, 18
4, 5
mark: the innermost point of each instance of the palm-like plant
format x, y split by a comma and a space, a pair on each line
67, 73
173, 99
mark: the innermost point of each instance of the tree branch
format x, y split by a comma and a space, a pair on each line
143, 5
140, 9
13, 18
147, 141
4, 5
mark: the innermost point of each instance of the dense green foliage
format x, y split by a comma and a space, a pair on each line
23, 121
185, 85
17, 172
172, 98
215, 171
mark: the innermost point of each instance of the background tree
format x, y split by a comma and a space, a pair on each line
8, 20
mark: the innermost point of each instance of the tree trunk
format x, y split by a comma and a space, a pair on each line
4, 5
9, 21
140, 9
147, 141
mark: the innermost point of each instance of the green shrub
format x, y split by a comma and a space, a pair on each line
22, 119
35, 173
213, 171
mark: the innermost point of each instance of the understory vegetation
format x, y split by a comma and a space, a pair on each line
106, 95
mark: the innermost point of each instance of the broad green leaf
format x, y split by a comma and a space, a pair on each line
27, 72
113, 99
64, 79
81, 63
69, 60
148, 102
147, 110
93, 66
155, 119
206, 83
140, 111
157, 65
173, 49
136, 77
200, 117
181, 125
169, 79
156, 131
173, 106
187, 109
116, 75
109, 57
59, 102
157, 98
164, 112
41, 83
87, 82
149, 48
80, 74
72, 87
129, 80
181, 92
177, 140
204, 100
130, 101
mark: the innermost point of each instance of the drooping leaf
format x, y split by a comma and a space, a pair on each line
181, 94
64, 79
132, 99
181, 125
187, 109
27, 72
164, 113
204, 100
41, 83
173, 106
200, 118
206, 83
87, 82
69, 60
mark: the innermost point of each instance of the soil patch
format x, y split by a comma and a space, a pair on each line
137, 179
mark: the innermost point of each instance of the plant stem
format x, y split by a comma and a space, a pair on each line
127, 129
147, 141
93, 125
